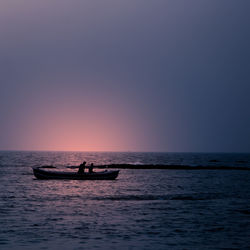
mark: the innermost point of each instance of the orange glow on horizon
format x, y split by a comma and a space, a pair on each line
96, 127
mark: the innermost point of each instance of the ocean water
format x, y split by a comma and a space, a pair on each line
142, 209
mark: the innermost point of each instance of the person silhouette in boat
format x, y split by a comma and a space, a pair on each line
81, 168
91, 168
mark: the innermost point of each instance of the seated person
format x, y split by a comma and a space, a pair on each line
81, 168
91, 168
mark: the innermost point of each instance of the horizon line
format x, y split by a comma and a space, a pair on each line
124, 151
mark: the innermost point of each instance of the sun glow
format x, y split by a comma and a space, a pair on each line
78, 128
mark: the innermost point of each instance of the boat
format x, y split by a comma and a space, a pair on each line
41, 173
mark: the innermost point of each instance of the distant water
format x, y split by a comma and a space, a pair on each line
142, 209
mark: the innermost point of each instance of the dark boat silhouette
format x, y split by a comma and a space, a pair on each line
47, 174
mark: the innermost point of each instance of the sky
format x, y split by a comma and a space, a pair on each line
134, 75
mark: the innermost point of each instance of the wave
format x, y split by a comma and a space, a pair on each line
182, 197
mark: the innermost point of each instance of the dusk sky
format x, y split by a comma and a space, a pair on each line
111, 75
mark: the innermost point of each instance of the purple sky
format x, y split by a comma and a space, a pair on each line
125, 75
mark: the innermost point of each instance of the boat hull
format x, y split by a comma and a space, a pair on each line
48, 175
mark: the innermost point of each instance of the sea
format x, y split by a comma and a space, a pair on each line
141, 209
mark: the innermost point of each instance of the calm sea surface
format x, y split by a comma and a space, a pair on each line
142, 209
